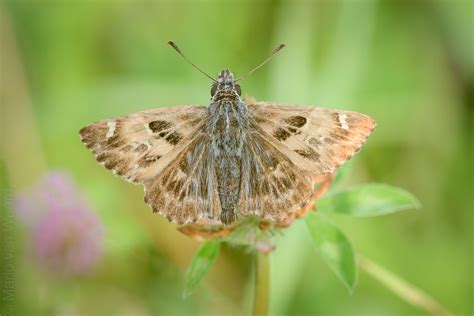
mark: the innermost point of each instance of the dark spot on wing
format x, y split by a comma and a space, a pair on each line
339, 135
259, 119
121, 168
116, 141
293, 130
314, 142
148, 160
111, 163
343, 132
141, 148
271, 161
330, 141
127, 148
296, 121
164, 179
285, 182
308, 154
281, 134
171, 185
101, 157
265, 187
292, 175
182, 195
183, 165
85, 131
178, 186
92, 134
187, 116
174, 138
158, 126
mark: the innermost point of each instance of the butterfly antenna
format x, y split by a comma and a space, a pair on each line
275, 51
176, 48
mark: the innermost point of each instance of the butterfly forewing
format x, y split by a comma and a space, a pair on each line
138, 146
317, 140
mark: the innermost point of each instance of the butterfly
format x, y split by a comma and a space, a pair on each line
230, 159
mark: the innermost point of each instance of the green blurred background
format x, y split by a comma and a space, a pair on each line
408, 64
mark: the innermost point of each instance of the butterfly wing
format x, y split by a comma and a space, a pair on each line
317, 140
272, 186
140, 145
186, 190
167, 150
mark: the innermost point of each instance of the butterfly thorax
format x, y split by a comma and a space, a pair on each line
227, 131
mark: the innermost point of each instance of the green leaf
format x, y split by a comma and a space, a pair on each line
334, 247
368, 200
200, 264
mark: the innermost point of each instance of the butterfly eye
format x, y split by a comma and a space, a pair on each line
213, 90
237, 88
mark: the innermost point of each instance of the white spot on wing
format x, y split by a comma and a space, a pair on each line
147, 128
342, 120
147, 144
111, 130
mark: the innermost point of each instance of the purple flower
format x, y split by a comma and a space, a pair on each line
66, 234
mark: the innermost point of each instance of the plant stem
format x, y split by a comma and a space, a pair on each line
408, 292
262, 282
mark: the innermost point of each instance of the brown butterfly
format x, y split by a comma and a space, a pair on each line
230, 159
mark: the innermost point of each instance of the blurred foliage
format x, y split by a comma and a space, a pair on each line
372, 199
334, 247
201, 263
408, 64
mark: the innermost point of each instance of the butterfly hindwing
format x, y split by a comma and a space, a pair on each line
272, 186
138, 146
186, 190
317, 140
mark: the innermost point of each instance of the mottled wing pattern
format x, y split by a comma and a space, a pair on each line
169, 152
186, 190
140, 145
272, 186
317, 140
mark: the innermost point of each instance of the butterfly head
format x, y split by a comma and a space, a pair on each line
225, 86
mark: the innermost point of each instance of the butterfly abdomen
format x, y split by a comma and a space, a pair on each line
227, 132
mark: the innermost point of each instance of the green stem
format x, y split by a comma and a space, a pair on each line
408, 292
262, 282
